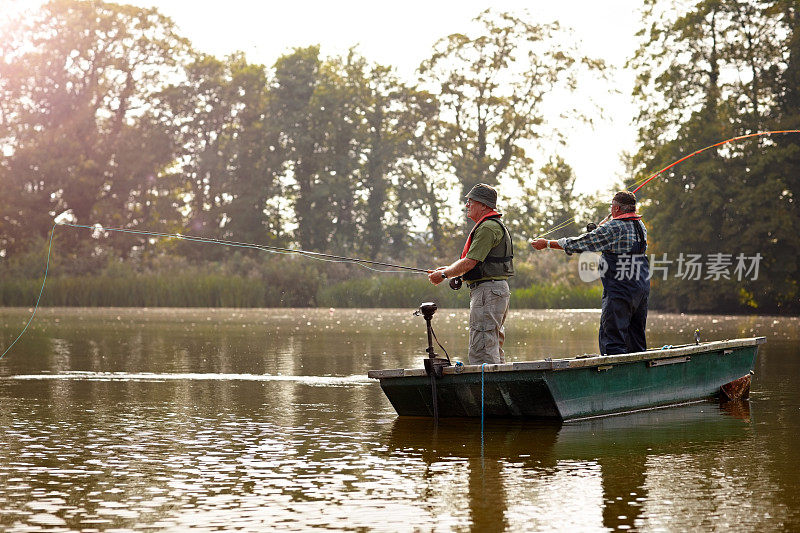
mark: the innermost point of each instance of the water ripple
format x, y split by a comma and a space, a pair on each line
319, 381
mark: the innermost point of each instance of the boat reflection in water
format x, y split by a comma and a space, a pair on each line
608, 466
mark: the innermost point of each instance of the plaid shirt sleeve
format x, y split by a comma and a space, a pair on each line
615, 236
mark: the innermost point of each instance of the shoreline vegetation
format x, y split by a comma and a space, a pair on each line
247, 279
219, 290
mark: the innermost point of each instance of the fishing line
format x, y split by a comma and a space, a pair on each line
329, 258
46, 267
732, 139
263, 247
567, 221
644, 181
561, 225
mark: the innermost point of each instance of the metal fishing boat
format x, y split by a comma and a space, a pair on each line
572, 388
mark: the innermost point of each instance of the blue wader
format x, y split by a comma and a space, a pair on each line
624, 310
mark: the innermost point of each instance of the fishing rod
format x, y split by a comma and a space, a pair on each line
237, 244
732, 139
642, 182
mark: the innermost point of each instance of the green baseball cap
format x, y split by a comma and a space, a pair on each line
485, 194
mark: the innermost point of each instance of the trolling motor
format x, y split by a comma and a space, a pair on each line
433, 363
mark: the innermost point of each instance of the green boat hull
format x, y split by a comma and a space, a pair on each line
581, 387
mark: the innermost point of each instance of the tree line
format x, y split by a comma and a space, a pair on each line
708, 71
109, 116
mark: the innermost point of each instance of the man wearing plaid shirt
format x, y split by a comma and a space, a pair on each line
622, 239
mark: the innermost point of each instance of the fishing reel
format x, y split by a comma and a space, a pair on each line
591, 226
456, 283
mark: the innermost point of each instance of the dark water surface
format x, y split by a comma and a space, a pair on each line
264, 419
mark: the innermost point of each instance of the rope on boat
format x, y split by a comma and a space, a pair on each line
482, 365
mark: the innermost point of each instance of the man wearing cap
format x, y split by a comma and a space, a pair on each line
622, 238
485, 265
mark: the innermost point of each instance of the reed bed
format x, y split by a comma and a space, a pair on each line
584, 296
390, 292
220, 290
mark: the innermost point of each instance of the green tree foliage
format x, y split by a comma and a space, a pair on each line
423, 181
227, 151
107, 116
296, 80
348, 129
708, 71
75, 81
493, 87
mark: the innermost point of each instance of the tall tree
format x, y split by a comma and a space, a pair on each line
493, 88
706, 73
346, 124
781, 161
254, 159
396, 118
338, 108
423, 179
297, 76
198, 115
76, 81
384, 119
228, 156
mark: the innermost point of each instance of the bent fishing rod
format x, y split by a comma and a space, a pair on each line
643, 182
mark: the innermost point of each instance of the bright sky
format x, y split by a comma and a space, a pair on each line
402, 34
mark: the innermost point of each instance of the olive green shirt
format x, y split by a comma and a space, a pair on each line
487, 236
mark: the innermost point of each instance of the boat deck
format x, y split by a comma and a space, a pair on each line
581, 361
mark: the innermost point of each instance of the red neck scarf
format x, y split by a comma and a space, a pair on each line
624, 216
491, 213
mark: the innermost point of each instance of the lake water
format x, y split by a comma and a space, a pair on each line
264, 419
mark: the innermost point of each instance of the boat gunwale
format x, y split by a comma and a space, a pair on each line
592, 360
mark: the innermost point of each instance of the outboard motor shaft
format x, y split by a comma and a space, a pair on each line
433, 363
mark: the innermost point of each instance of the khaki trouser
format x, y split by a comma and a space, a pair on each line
488, 306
